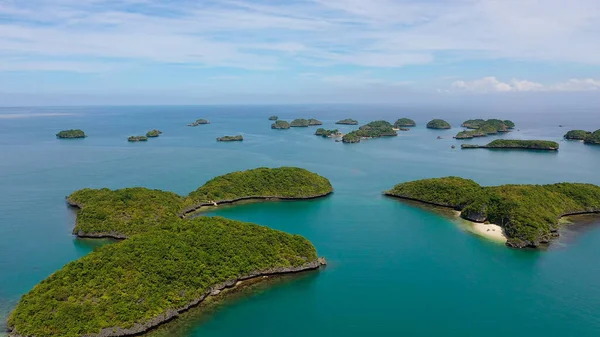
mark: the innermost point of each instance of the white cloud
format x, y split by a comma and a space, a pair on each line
270, 35
492, 84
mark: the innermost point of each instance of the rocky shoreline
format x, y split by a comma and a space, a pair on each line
142, 328
195, 208
480, 218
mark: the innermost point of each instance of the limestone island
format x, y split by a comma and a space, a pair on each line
118, 214
281, 125
132, 286
137, 139
404, 122
483, 128
328, 133
237, 138
347, 121
587, 136
199, 122
528, 214
438, 124
509, 144
273, 118
71, 134
374, 129
314, 122
153, 133
164, 263
300, 123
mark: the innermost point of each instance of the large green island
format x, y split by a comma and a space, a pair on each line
280, 125
438, 124
237, 138
528, 214
375, 129
347, 121
508, 144
587, 136
165, 264
404, 122
71, 134
483, 128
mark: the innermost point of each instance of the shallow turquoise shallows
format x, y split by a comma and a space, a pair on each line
394, 269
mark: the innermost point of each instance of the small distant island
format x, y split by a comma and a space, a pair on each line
153, 133
404, 122
328, 133
314, 122
528, 214
347, 121
587, 136
279, 124
300, 123
237, 138
137, 139
545, 145
71, 134
200, 121
273, 118
375, 129
483, 128
438, 124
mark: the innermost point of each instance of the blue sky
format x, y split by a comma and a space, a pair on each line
131, 51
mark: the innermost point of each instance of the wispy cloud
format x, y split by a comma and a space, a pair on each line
492, 84
270, 35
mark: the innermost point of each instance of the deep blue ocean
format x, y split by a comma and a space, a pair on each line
394, 269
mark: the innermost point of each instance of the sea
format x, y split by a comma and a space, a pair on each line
395, 269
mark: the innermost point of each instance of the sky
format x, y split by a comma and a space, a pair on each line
278, 51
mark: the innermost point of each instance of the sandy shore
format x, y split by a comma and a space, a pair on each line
488, 231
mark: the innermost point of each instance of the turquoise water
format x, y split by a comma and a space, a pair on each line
394, 269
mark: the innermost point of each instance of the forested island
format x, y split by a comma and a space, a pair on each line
200, 121
273, 118
483, 128
528, 214
404, 122
328, 133
347, 121
237, 138
165, 263
124, 212
545, 145
300, 123
153, 133
438, 124
587, 136
129, 287
71, 134
314, 122
279, 124
373, 129
137, 139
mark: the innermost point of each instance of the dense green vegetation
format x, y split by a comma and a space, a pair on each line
137, 138
373, 129
528, 213
140, 279
279, 124
121, 213
283, 182
313, 122
73, 133
516, 144
438, 124
300, 122
327, 133
273, 118
577, 135
593, 138
153, 133
482, 128
347, 121
199, 122
237, 138
404, 122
